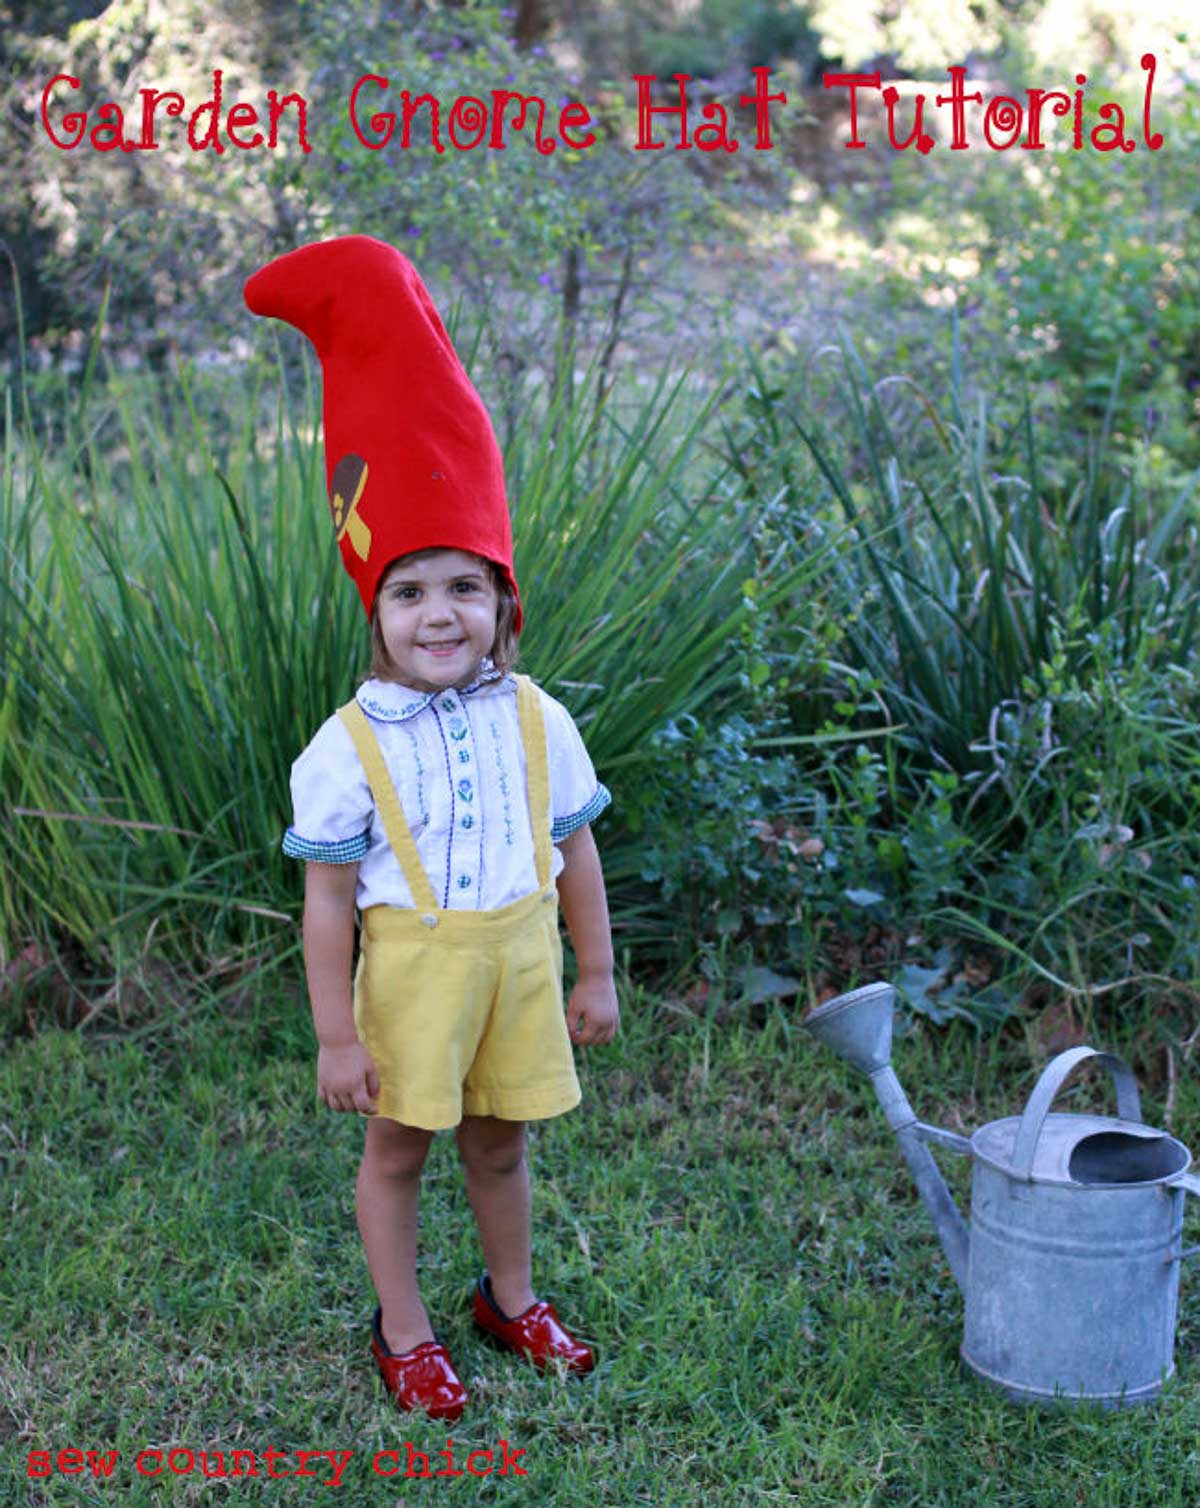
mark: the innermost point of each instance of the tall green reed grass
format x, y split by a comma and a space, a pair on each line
176, 626
1034, 646
978, 573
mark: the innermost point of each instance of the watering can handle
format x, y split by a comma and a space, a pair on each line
1045, 1091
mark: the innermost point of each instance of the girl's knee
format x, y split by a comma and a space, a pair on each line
490, 1146
393, 1150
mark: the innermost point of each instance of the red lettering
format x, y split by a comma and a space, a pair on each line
471, 114
500, 102
1033, 141
277, 106
110, 133
485, 1455
853, 82
956, 98
189, 1461
409, 107
447, 1455
243, 115
151, 99
412, 1456
385, 1455
384, 123
153, 1455
1153, 139
269, 1456
1006, 114
575, 116
102, 1466
1077, 134
924, 142
211, 108
37, 1462
70, 1462
719, 141
235, 1466
646, 111
762, 101
509, 1458
1111, 135
76, 121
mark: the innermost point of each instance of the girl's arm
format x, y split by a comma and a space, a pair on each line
592, 1013
346, 1076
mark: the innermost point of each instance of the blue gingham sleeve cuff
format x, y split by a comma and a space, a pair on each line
563, 827
348, 851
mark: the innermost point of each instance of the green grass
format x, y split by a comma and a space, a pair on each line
726, 1217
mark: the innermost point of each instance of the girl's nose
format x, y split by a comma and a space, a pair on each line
438, 608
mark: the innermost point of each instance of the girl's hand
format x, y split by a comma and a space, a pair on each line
347, 1078
593, 1014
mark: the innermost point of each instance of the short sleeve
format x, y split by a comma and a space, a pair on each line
331, 801
576, 796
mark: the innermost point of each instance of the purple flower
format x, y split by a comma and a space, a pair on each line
438, 57
1155, 342
538, 52
414, 230
545, 279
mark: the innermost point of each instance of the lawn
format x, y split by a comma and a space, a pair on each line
726, 1217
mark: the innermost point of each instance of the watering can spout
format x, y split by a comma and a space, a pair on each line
858, 1027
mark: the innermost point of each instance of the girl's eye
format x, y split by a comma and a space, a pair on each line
467, 586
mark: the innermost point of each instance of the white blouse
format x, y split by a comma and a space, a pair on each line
458, 766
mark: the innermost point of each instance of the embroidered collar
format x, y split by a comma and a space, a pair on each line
390, 702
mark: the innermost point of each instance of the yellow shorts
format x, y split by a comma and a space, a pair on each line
466, 1017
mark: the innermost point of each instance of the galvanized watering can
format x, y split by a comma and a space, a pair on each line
1070, 1270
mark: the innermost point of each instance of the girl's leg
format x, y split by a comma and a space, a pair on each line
389, 1180
497, 1178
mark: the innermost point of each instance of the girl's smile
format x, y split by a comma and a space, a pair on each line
437, 615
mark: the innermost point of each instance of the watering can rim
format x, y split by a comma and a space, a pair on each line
1085, 1124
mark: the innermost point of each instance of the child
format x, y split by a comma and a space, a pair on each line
451, 803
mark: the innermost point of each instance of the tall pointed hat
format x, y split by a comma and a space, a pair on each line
411, 459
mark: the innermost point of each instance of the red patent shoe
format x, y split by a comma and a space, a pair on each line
537, 1334
420, 1379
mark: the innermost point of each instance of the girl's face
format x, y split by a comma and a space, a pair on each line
437, 616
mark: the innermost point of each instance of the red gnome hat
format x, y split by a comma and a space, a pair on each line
411, 458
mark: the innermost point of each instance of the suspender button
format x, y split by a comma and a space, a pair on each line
429, 920
549, 895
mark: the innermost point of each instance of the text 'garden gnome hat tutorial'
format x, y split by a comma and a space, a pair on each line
411, 459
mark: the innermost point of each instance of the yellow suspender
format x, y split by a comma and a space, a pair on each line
537, 787
537, 776
387, 803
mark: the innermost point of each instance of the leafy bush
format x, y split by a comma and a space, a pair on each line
1077, 271
1033, 650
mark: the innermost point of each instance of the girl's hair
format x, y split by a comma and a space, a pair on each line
504, 649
